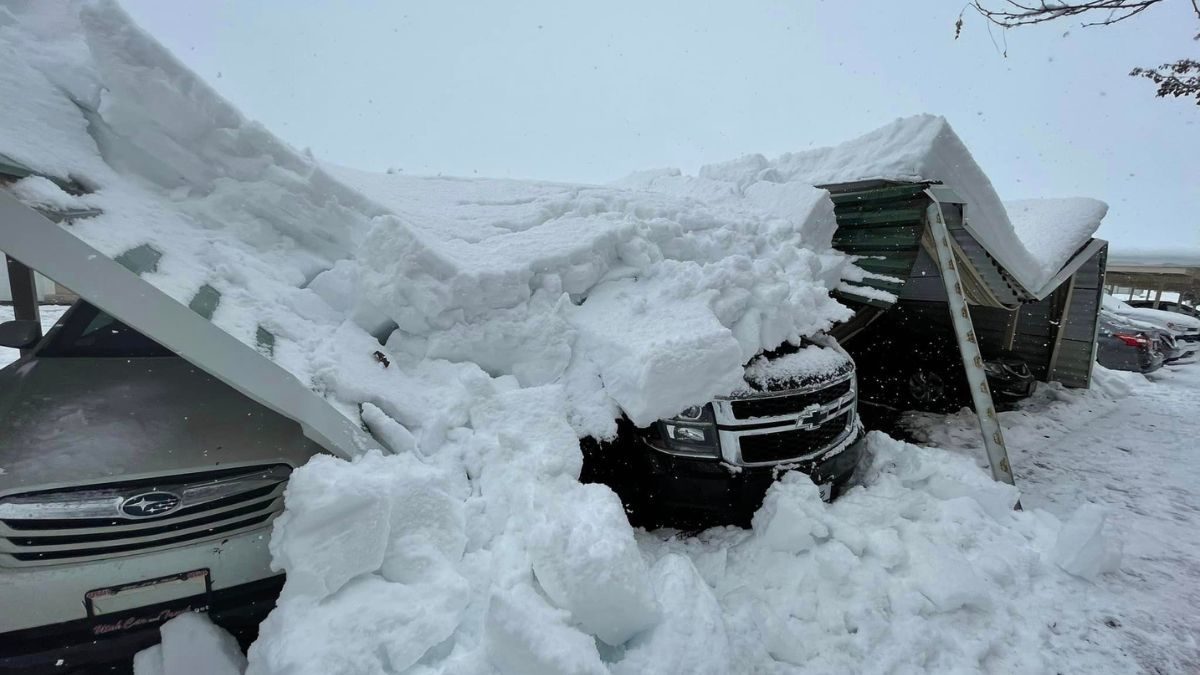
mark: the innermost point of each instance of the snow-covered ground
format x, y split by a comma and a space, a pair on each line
50, 314
1136, 456
922, 567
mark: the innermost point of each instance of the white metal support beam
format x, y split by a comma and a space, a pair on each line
968, 345
40, 244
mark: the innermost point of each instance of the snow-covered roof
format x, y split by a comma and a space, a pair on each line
1052, 230
915, 149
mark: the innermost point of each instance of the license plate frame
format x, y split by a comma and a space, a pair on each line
172, 588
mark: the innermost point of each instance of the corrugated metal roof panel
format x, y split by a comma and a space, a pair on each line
989, 271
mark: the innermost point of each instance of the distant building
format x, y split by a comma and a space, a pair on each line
1155, 275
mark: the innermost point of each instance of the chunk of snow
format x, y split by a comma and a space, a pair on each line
527, 636
380, 515
191, 645
1084, 548
589, 564
791, 517
692, 637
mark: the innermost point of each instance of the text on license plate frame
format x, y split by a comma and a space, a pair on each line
150, 592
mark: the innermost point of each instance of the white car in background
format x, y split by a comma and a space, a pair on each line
1185, 329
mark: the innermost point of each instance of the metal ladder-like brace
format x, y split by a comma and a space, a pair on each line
968, 346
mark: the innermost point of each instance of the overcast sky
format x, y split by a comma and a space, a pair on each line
590, 92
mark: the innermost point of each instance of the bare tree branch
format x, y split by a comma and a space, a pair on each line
1175, 80
1021, 14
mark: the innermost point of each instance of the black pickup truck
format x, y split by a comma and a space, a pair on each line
712, 464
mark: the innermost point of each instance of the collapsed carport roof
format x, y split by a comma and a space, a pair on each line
204, 231
914, 152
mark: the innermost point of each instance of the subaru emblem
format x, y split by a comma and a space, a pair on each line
149, 504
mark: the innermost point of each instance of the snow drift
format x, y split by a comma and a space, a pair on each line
512, 319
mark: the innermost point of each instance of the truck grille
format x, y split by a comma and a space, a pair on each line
784, 445
788, 404
102, 521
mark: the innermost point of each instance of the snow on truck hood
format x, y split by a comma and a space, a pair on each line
516, 317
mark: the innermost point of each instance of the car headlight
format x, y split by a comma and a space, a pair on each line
692, 432
993, 368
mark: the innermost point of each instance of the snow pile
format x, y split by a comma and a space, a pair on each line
191, 645
478, 329
1052, 230
523, 277
926, 568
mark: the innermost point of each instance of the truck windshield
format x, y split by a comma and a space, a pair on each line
86, 331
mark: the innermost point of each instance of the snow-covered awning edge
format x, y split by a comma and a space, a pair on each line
1070, 268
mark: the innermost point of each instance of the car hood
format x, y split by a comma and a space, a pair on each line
75, 421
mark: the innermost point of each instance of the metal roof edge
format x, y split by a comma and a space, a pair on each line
1072, 265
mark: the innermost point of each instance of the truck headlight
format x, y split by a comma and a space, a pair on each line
692, 432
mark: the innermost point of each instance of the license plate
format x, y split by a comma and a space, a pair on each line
826, 490
151, 592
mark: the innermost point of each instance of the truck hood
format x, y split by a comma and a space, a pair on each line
75, 421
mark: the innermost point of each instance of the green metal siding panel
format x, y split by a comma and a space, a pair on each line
904, 237
881, 227
891, 193
880, 217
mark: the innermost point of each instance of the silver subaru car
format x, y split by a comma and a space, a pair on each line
133, 487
